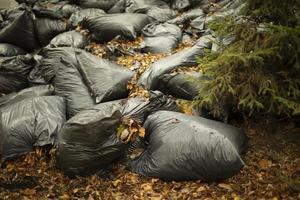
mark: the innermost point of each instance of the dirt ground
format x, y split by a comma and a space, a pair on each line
272, 171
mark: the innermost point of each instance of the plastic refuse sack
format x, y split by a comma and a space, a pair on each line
29, 123
35, 91
48, 29
79, 15
107, 27
105, 5
8, 50
21, 32
184, 85
13, 73
70, 39
187, 16
61, 8
184, 58
182, 5
89, 143
182, 147
106, 80
59, 68
157, 34
155, 9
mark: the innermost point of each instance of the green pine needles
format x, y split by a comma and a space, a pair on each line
260, 71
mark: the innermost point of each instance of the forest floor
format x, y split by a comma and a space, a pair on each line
272, 171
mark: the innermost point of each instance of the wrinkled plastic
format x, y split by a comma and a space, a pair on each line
70, 39
157, 34
48, 29
36, 91
106, 80
21, 32
184, 58
105, 5
184, 85
79, 15
107, 27
187, 16
182, 5
59, 67
7, 50
29, 123
88, 142
13, 73
182, 147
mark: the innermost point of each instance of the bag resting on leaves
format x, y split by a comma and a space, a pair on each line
182, 147
29, 123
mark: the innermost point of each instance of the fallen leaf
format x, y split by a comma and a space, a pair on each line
225, 186
116, 182
264, 164
29, 192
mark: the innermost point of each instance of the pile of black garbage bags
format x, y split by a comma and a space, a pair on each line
54, 92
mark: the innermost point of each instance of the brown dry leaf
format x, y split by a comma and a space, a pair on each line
225, 186
116, 183
142, 132
65, 196
264, 164
201, 189
29, 192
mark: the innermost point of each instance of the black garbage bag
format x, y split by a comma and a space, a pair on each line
60, 9
70, 39
89, 142
9, 15
184, 85
106, 5
8, 50
59, 68
185, 58
106, 80
182, 5
13, 73
79, 15
35, 91
182, 147
21, 32
160, 38
107, 27
48, 29
188, 16
157, 10
29, 123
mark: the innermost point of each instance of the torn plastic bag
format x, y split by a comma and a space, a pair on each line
79, 15
187, 16
36, 91
157, 34
133, 6
8, 50
182, 147
48, 29
13, 72
89, 143
184, 58
184, 85
21, 32
106, 80
70, 39
107, 27
29, 123
105, 5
